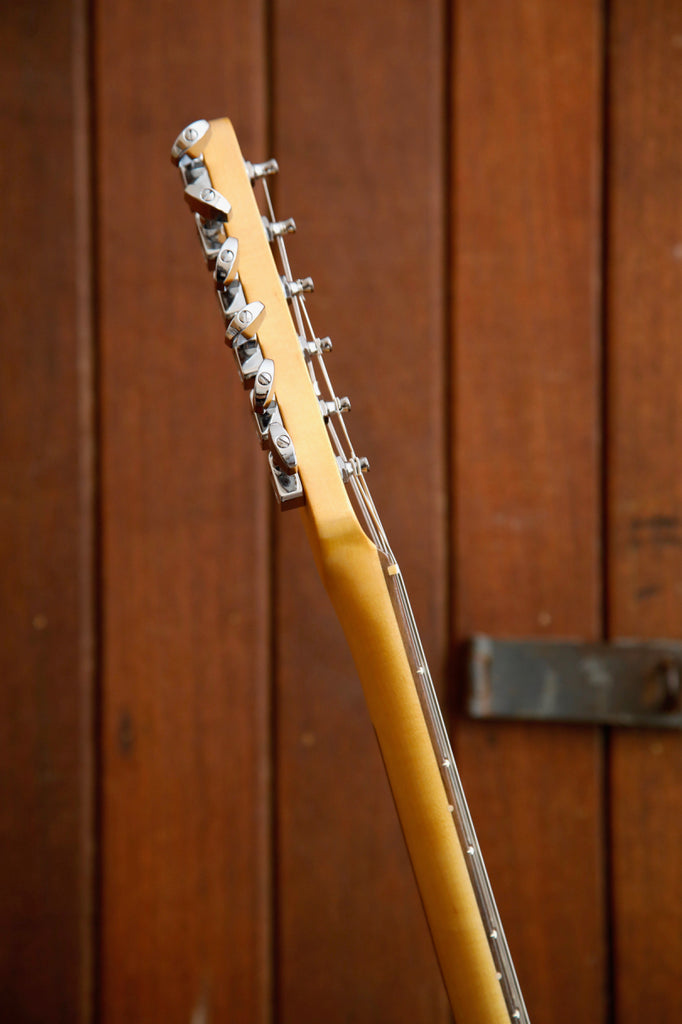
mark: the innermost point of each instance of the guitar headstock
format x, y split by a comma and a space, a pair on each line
280, 359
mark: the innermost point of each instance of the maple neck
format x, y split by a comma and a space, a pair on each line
371, 602
299, 421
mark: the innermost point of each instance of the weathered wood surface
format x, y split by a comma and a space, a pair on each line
46, 512
185, 748
645, 486
526, 420
250, 866
366, 189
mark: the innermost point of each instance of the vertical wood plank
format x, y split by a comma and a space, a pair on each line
645, 486
46, 521
185, 886
358, 120
526, 455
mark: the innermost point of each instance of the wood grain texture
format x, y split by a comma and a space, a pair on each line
185, 814
361, 157
526, 133
46, 522
645, 487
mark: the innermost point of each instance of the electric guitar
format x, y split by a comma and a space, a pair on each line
313, 465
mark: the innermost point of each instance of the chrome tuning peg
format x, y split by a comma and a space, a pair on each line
226, 262
256, 171
288, 488
208, 202
282, 449
245, 323
197, 131
263, 386
263, 401
292, 288
276, 228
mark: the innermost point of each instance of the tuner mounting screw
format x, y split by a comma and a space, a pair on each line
207, 194
283, 441
191, 134
227, 256
265, 378
245, 317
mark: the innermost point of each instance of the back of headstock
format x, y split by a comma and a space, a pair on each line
280, 359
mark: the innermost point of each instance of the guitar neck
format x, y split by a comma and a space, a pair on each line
299, 421
460, 908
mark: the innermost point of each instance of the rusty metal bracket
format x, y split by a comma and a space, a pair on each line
630, 683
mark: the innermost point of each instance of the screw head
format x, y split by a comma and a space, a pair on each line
227, 256
283, 441
191, 134
207, 194
245, 317
265, 378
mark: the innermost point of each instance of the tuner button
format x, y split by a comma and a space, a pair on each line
197, 131
245, 322
208, 202
288, 488
282, 448
264, 386
226, 262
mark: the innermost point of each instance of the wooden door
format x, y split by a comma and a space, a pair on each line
195, 820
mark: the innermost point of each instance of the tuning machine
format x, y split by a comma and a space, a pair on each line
211, 211
226, 263
263, 386
198, 132
241, 335
277, 228
294, 288
263, 401
245, 322
262, 170
283, 466
352, 467
208, 203
335, 407
316, 347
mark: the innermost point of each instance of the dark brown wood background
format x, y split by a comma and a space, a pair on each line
194, 822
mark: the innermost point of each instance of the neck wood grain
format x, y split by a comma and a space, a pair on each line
354, 577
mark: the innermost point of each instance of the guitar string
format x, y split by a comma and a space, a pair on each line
506, 973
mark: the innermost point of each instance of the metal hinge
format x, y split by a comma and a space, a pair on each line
631, 683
